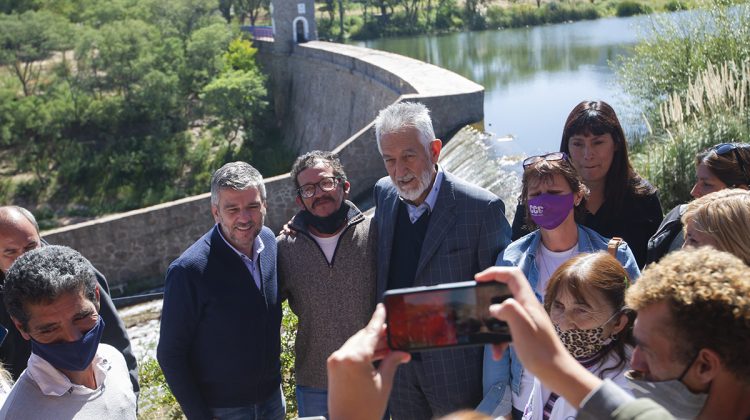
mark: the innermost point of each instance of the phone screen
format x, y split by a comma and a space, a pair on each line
449, 315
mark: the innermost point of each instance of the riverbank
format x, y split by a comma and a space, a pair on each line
419, 17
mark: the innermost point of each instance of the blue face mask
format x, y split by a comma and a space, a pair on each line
76, 355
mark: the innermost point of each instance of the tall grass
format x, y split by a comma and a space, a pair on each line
712, 109
675, 48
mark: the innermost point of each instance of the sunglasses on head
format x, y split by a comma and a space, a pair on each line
549, 157
726, 148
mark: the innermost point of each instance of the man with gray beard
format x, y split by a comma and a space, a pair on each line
433, 228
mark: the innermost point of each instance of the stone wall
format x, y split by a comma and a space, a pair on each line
326, 96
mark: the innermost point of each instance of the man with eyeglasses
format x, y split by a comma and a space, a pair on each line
220, 342
326, 270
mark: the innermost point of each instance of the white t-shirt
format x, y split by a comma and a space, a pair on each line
546, 263
328, 245
563, 410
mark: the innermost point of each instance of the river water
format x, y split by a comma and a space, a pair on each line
534, 76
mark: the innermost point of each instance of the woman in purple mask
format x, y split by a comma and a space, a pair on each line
620, 203
553, 196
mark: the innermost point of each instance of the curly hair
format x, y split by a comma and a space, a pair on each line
42, 275
725, 215
545, 170
311, 159
708, 295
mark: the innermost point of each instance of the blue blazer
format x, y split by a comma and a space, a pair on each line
219, 343
466, 231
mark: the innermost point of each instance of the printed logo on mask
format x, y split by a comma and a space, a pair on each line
550, 210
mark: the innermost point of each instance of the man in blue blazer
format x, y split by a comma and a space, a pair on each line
220, 325
432, 228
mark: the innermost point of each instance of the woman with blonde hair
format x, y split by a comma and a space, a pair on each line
721, 220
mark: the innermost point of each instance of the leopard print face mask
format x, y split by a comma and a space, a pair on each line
582, 344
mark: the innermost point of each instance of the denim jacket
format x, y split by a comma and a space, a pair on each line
497, 375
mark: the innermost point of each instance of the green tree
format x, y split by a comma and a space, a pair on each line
250, 9
234, 99
27, 40
203, 59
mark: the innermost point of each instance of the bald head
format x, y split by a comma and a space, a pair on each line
19, 233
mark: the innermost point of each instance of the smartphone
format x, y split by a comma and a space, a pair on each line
446, 315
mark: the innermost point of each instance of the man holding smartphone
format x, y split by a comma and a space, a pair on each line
433, 228
326, 270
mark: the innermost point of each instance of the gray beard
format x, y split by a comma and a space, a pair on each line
424, 183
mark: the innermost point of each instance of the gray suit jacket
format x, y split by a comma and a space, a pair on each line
466, 232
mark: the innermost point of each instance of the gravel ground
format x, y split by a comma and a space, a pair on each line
142, 323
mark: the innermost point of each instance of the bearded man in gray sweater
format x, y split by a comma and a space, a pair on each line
327, 270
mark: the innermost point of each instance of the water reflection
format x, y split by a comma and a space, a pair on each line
533, 76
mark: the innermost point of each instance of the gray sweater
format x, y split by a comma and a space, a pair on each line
610, 402
332, 301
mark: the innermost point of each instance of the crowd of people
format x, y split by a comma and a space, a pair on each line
609, 318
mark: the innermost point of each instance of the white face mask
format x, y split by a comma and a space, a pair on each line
672, 394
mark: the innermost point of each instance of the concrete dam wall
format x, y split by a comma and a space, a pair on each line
326, 97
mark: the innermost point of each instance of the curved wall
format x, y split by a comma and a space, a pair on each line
326, 97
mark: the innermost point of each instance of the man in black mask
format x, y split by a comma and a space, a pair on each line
326, 270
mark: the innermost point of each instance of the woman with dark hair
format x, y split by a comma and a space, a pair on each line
620, 203
585, 300
553, 193
725, 165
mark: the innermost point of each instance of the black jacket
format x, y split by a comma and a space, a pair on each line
220, 340
668, 236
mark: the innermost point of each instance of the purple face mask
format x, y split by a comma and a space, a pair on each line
549, 210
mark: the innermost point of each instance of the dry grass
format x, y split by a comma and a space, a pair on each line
715, 90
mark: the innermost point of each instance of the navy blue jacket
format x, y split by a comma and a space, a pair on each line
219, 344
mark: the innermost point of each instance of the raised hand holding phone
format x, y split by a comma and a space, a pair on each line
444, 316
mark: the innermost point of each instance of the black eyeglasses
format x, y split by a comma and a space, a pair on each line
726, 148
549, 156
326, 184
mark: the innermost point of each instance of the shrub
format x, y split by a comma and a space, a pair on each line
678, 47
714, 109
522, 15
675, 5
288, 336
155, 400
631, 8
